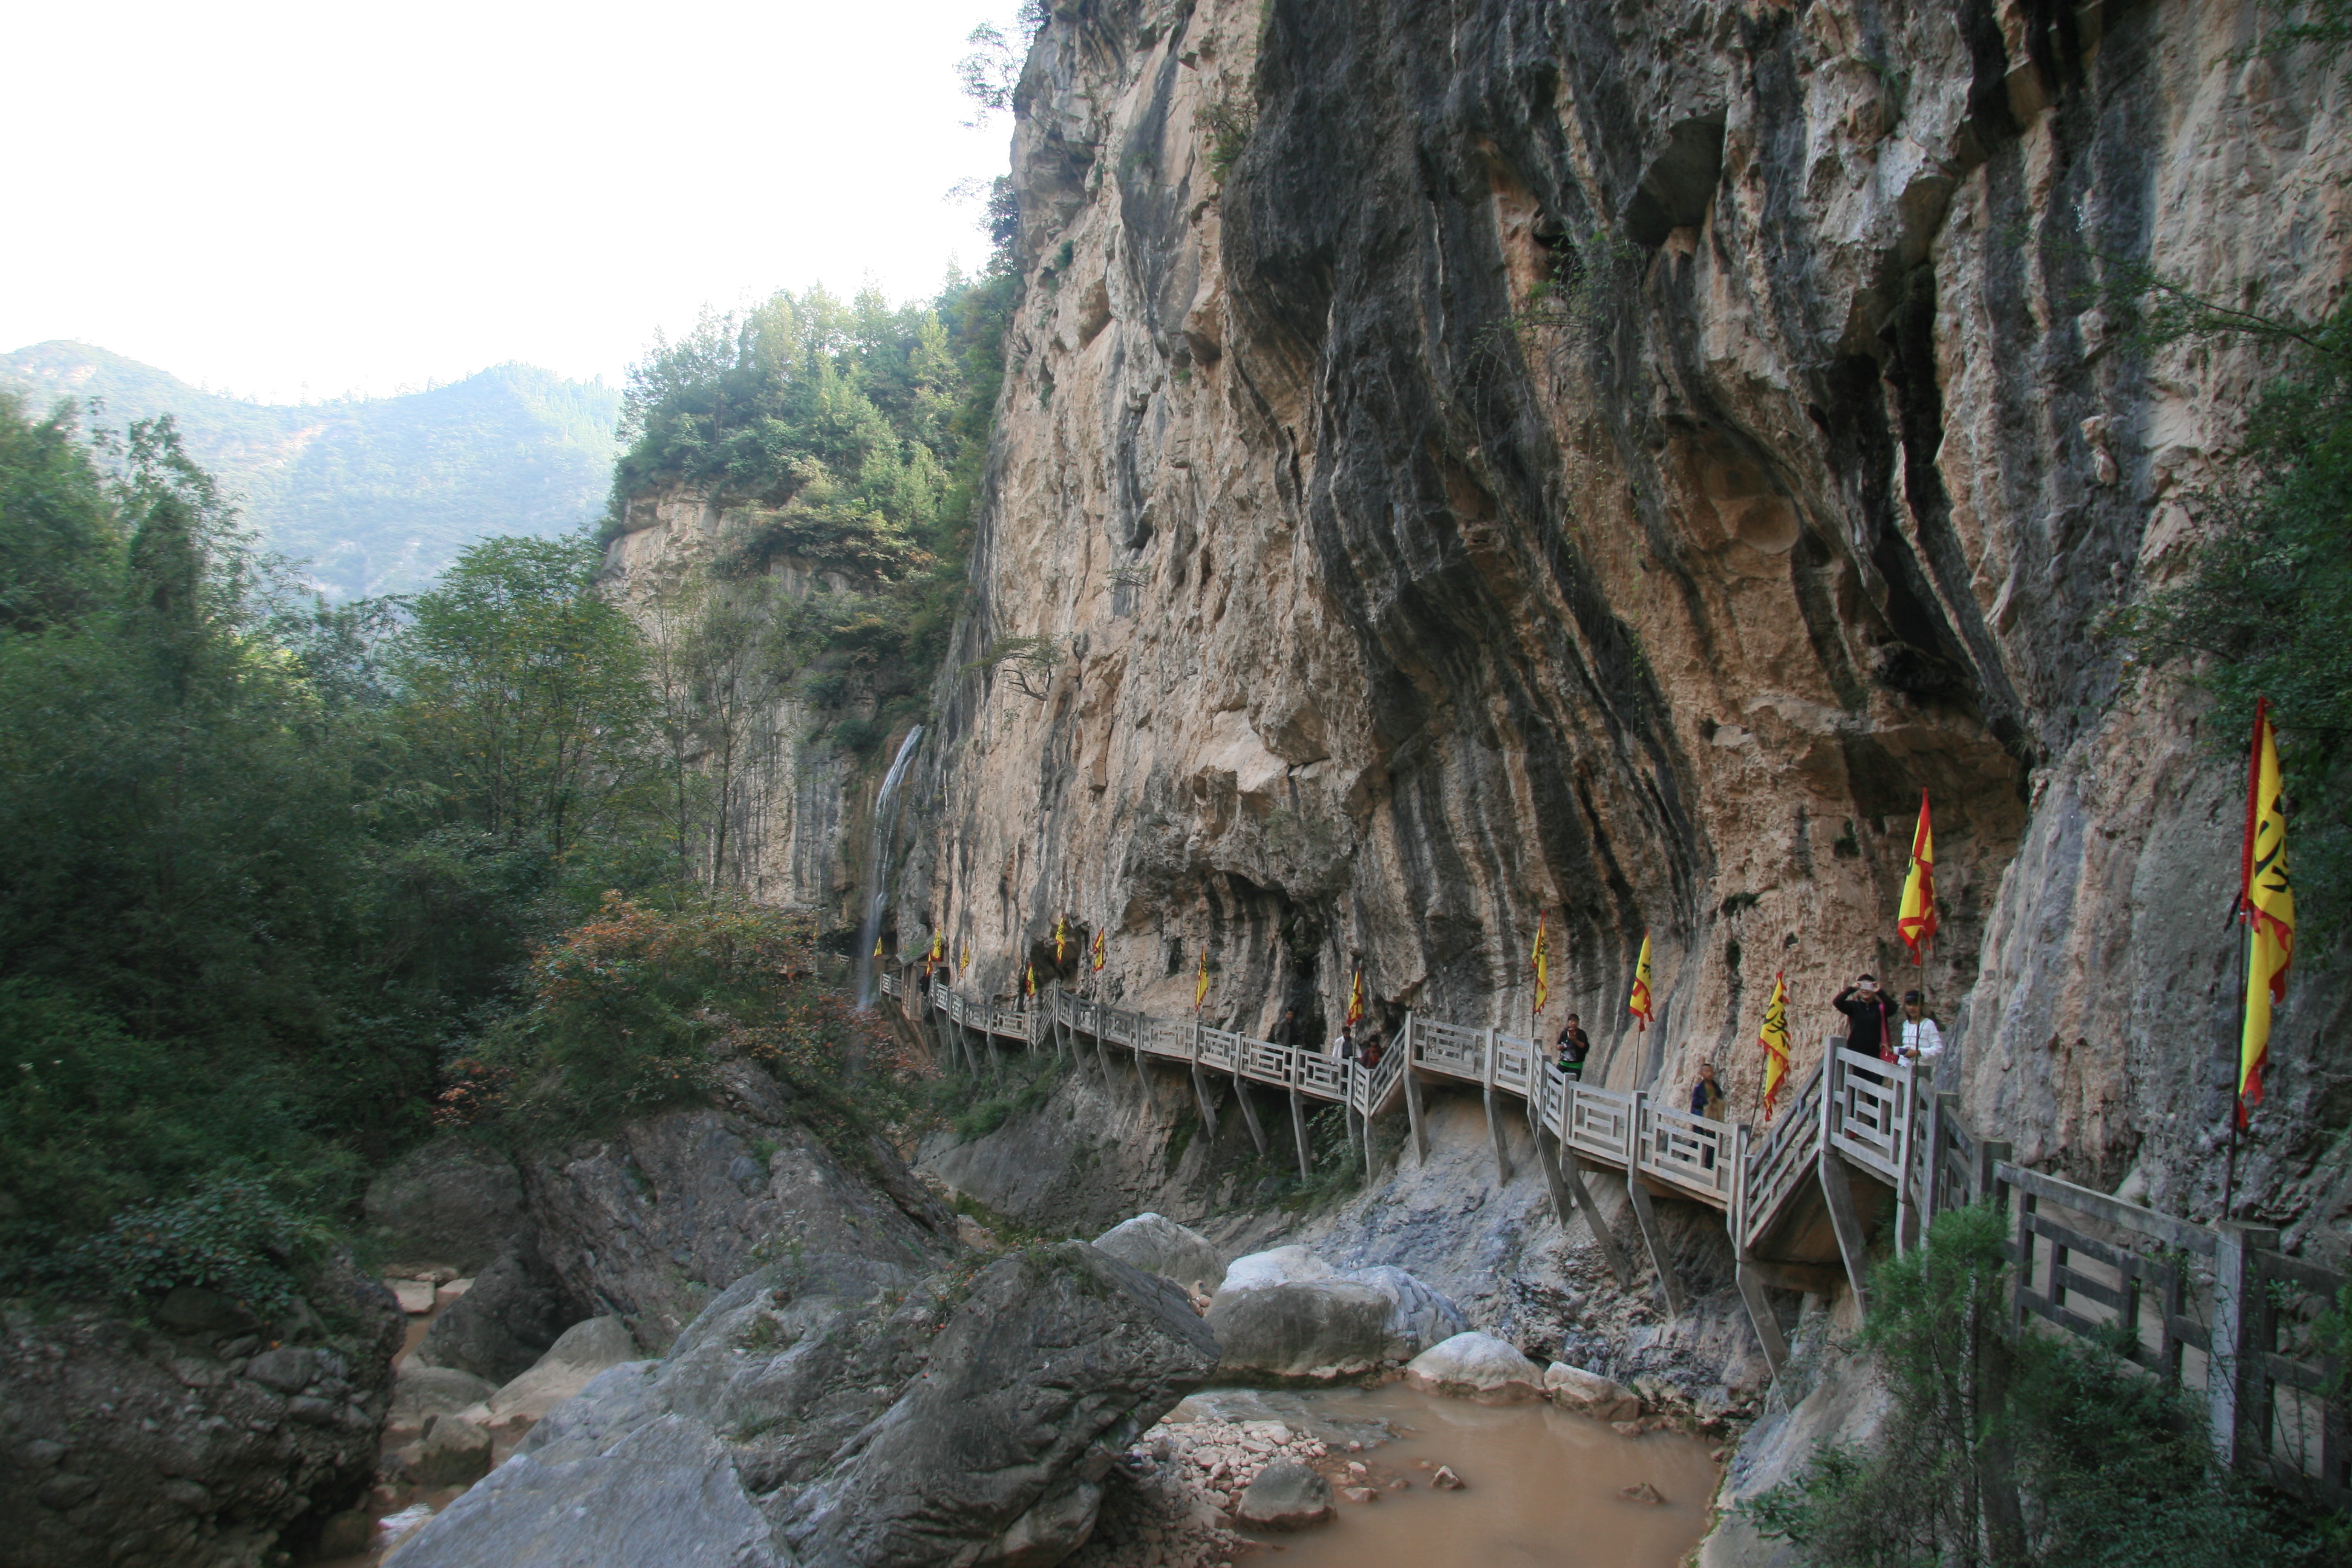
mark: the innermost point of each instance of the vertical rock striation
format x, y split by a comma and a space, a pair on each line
1604, 461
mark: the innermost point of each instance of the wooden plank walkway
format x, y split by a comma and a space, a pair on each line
2214, 1308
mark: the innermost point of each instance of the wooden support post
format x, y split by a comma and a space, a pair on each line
1412, 1098
1208, 1107
1760, 1316
1645, 1218
1141, 1077
1906, 1205
2236, 1406
1495, 1133
1846, 1219
1249, 1112
1942, 1109
1299, 1131
1570, 1195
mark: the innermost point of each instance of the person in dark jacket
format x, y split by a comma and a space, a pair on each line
1574, 1046
1706, 1095
1288, 1032
1869, 1015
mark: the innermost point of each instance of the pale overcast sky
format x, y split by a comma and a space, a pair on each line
262, 197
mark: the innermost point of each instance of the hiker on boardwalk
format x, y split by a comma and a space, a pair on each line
1869, 1015
1706, 1095
1286, 1032
1574, 1046
1923, 1041
1369, 1053
1344, 1048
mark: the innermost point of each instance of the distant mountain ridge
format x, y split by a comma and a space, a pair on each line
376, 494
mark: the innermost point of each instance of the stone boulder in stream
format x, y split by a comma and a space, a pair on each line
837, 1410
1157, 1245
1286, 1313
1477, 1366
506, 1321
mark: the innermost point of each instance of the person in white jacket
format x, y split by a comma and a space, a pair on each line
1922, 1041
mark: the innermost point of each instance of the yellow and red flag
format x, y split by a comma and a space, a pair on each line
1356, 999
2266, 906
1543, 966
1915, 922
1640, 1007
967, 961
1201, 985
938, 954
877, 947
1061, 938
1774, 1038
1098, 953
1029, 987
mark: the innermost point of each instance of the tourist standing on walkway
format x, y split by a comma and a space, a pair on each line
1574, 1046
1344, 1048
1869, 1013
1286, 1032
1922, 1041
1369, 1053
1706, 1095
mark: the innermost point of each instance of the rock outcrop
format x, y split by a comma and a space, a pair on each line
514, 1310
650, 1223
211, 1440
837, 1410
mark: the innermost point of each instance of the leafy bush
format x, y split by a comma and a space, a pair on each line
232, 1234
640, 1007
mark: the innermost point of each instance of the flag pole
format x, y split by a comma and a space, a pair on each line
2237, 1084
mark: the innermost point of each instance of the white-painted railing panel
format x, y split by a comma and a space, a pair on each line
1601, 1124
1515, 1064
1691, 1151
1865, 1119
1449, 1048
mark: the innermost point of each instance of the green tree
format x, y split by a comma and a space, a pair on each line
525, 688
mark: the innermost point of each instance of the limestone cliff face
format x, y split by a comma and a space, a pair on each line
784, 817
1603, 462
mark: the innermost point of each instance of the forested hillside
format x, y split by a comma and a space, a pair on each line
295, 880
376, 495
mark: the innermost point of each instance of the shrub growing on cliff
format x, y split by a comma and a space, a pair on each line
2015, 1449
640, 1007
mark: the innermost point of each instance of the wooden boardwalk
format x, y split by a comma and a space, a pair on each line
1863, 1148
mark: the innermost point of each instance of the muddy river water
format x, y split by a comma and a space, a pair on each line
1541, 1486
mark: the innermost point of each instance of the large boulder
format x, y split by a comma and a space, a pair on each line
1317, 1327
575, 1358
420, 1393
1589, 1393
193, 1443
1476, 1366
452, 1201
652, 1222
504, 1321
1419, 1315
1157, 1245
855, 1413
1282, 1266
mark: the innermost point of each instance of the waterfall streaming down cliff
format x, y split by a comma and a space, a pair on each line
885, 819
